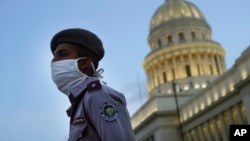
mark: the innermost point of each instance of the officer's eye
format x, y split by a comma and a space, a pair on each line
61, 53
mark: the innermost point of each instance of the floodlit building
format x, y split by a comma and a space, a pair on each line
192, 96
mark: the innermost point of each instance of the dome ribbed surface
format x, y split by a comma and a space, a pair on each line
175, 10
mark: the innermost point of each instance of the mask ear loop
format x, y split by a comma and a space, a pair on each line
97, 73
76, 62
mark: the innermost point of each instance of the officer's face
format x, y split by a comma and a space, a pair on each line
68, 51
64, 51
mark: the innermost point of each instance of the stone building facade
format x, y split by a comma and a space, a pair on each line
192, 96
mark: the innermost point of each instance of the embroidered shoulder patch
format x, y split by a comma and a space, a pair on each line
108, 112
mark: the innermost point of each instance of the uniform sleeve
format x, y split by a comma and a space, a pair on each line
109, 116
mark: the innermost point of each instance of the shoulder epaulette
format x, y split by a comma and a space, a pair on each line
94, 85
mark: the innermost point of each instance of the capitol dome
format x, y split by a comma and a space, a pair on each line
173, 10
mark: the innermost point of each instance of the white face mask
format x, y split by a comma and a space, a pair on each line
66, 74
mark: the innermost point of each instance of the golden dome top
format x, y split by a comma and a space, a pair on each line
173, 10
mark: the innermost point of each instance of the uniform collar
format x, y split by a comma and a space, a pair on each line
76, 91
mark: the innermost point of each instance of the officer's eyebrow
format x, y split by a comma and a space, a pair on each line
60, 51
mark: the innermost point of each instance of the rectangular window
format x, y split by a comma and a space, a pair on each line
151, 138
211, 69
173, 73
191, 85
188, 70
198, 68
164, 77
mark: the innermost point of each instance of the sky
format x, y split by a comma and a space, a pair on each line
31, 107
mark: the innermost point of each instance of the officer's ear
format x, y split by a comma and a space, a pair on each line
84, 64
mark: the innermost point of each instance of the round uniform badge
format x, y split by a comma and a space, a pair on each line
108, 112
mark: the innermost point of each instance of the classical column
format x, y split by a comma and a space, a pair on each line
209, 136
216, 130
174, 67
207, 64
223, 128
152, 83
148, 79
214, 65
201, 133
195, 136
246, 103
191, 63
219, 64
188, 137
230, 117
239, 115
183, 65
160, 73
155, 76
199, 63
167, 69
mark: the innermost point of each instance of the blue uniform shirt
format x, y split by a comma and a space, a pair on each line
101, 114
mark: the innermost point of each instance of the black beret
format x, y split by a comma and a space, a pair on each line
80, 37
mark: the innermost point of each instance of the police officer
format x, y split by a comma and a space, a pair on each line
97, 112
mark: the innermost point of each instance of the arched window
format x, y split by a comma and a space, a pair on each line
181, 36
193, 35
169, 38
159, 42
